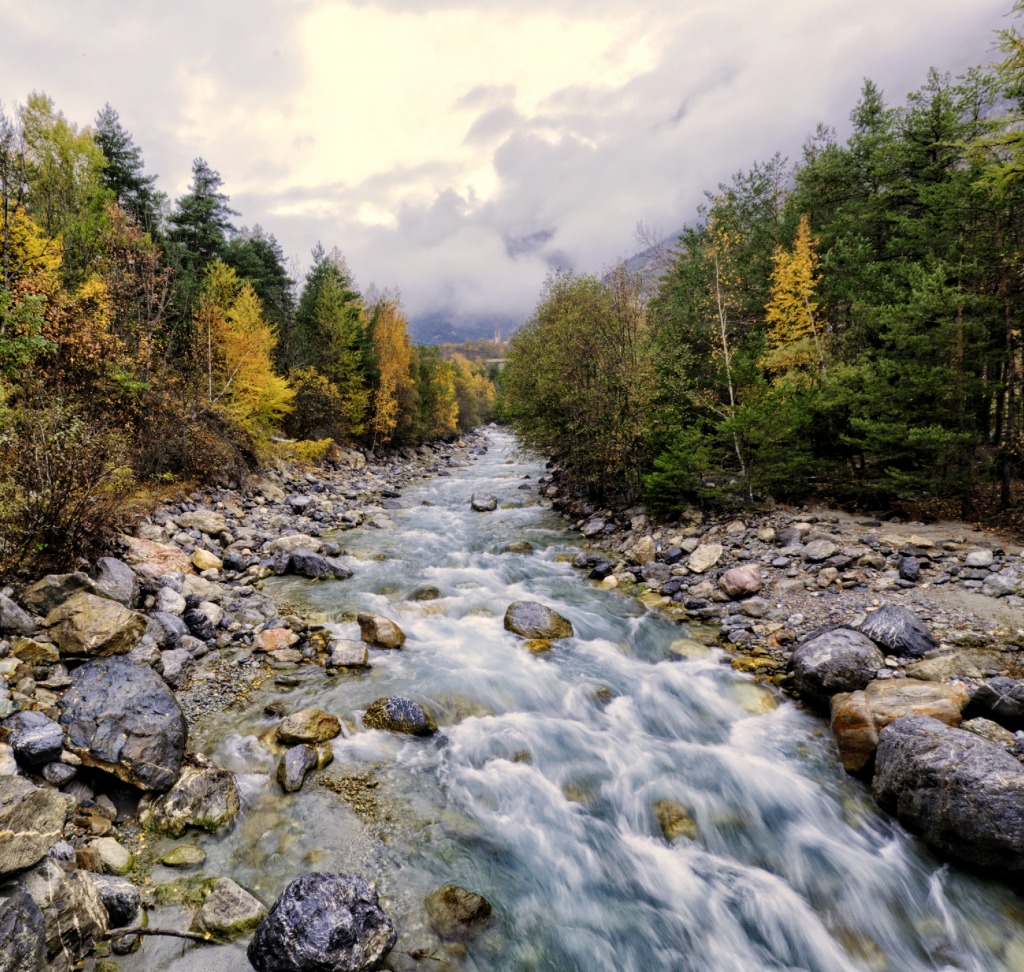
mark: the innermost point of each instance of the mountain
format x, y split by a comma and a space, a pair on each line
448, 327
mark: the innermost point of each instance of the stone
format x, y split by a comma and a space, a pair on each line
35, 652
323, 921
113, 857
991, 731
120, 898
116, 580
398, 714
308, 726
228, 911
426, 594
204, 560
74, 917
910, 569
176, 663
94, 627
205, 797
593, 527
199, 624
643, 551
944, 664
31, 822
858, 717
59, 774
1000, 699
52, 591
13, 619
963, 794
205, 521
898, 631
735, 527
379, 631
755, 607
819, 550
184, 855
705, 556
741, 581
170, 601
274, 639
35, 738
294, 542
999, 585
294, 765
533, 620
456, 913
305, 563
122, 718
674, 820
484, 502
979, 558
22, 932
343, 653
156, 559
840, 660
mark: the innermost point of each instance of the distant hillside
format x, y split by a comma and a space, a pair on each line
445, 327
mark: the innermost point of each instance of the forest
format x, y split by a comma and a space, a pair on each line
145, 343
847, 327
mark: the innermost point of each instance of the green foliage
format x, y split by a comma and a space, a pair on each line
124, 175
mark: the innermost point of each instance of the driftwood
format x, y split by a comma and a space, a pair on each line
169, 932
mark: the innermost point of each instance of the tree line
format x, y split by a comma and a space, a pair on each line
144, 340
848, 326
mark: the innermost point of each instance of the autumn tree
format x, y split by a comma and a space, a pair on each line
393, 396
124, 173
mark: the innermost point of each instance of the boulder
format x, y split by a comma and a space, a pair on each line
294, 542
342, 653
204, 560
308, 726
305, 563
120, 897
898, 631
741, 581
13, 619
116, 580
819, 550
114, 857
22, 932
74, 917
184, 855
175, 665
31, 822
94, 627
205, 521
228, 911
156, 559
840, 660
533, 620
294, 765
484, 502
52, 591
456, 913
963, 794
122, 718
979, 558
203, 796
593, 527
999, 585
274, 639
323, 921
35, 652
35, 738
643, 551
399, 714
674, 820
1001, 700
704, 556
379, 631
858, 717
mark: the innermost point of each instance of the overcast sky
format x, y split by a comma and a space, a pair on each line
459, 148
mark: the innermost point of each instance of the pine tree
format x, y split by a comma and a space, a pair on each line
124, 174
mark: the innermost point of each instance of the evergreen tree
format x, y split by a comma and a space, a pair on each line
124, 174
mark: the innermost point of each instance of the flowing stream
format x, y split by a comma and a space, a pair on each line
538, 790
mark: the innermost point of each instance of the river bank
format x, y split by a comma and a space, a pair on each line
623, 798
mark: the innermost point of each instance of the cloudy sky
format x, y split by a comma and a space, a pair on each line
460, 148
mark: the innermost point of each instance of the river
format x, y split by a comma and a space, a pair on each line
538, 791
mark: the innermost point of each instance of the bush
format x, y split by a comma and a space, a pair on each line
305, 452
64, 486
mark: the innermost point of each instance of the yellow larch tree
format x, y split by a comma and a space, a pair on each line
393, 351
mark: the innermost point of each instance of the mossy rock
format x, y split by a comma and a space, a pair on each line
674, 820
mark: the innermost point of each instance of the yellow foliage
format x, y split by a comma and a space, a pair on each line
304, 452
35, 258
393, 350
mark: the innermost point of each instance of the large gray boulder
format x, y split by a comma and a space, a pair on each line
116, 580
203, 797
323, 922
306, 563
840, 660
122, 718
13, 619
87, 626
899, 631
31, 822
22, 932
962, 793
533, 620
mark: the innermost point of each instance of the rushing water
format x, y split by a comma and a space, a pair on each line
538, 791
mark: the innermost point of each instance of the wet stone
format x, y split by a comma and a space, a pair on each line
399, 714
456, 913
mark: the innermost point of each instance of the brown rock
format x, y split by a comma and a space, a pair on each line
379, 631
94, 627
741, 581
274, 639
154, 558
308, 726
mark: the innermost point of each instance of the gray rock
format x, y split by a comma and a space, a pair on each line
343, 653
305, 563
320, 922
122, 718
175, 664
399, 714
1001, 700
14, 620
117, 580
59, 774
593, 527
531, 619
120, 897
484, 502
841, 660
73, 914
999, 585
979, 558
229, 911
22, 932
53, 590
963, 794
205, 797
910, 569
819, 550
35, 738
31, 821
898, 631
457, 913
294, 765
170, 602
205, 521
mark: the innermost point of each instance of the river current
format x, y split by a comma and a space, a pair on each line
538, 790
